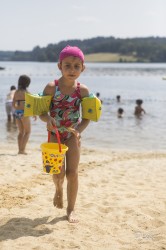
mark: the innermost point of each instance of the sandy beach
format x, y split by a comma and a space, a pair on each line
121, 202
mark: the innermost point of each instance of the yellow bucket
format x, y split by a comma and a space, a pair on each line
53, 158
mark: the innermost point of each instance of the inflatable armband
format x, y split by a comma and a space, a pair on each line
91, 108
36, 104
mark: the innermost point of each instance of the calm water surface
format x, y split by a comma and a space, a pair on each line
130, 81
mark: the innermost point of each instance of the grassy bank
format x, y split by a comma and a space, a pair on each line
109, 57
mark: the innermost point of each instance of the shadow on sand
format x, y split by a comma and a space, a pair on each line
22, 227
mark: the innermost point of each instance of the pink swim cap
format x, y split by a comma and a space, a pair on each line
71, 51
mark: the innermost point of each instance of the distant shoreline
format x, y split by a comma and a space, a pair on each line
98, 49
110, 58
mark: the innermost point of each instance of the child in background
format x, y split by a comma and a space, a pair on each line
120, 113
98, 96
67, 94
118, 98
9, 104
23, 123
138, 109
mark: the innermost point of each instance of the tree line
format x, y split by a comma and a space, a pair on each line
147, 49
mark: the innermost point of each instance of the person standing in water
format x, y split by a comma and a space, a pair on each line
9, 104
120, 112
138, 109
23, 123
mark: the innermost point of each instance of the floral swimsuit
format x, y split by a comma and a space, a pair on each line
65, 109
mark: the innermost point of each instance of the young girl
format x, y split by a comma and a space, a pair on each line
65, 115
23, 123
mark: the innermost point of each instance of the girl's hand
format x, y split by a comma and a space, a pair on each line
34, 117
76, 133
50, 123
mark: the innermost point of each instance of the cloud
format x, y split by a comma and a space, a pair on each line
152, 13
88, 19
77, 7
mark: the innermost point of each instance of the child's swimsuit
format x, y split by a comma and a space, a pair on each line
65, 109
19, 113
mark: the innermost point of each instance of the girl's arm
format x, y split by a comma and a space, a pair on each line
143, 111
49, 90
14, 100
85, 122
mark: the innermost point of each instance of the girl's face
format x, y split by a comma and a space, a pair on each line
71, 67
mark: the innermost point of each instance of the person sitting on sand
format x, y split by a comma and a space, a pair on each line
23, 123
138, 109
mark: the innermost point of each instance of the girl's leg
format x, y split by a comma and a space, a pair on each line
14, 119
58, 180
8, 111
20, 134
72, 161
9, 118
27, 130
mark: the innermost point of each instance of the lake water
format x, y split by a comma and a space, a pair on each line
130, 81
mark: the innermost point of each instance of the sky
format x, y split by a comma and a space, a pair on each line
25, 24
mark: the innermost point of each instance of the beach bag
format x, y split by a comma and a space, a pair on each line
53, 155
36, 104
91, 108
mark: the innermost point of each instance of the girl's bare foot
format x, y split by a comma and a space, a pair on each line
22, 152
72, 218
58, 199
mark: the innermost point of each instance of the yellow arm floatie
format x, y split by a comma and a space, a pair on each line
36, 104
91, 108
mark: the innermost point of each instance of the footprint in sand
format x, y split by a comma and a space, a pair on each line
88, 205
146, 223
150, 212
130, 196
105, 210
129, 211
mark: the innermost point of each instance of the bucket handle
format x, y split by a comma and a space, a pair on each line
58, 138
